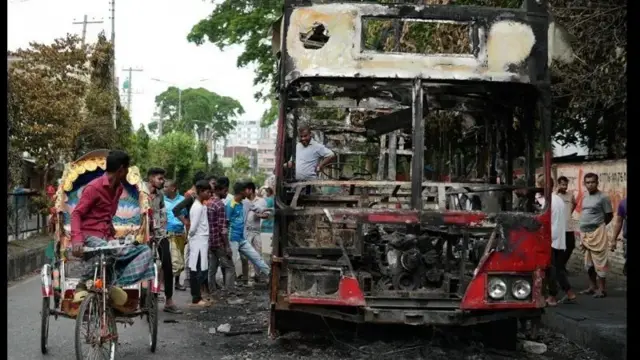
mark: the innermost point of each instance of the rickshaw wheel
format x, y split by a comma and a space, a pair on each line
44, 330
90, 312
152, 319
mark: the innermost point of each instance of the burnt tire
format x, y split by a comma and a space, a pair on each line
44, 329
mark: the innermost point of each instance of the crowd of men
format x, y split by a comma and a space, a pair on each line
594, 240
206, 229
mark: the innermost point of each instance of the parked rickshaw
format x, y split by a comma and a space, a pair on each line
59, 281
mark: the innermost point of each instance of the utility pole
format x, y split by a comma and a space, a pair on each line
84, 24
114, 116
130, 70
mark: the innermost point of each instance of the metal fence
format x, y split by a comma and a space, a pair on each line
23, 219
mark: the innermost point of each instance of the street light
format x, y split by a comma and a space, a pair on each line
179, 94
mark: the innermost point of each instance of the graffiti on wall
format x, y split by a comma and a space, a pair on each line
612, 176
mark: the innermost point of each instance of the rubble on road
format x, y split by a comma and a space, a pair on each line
240, 334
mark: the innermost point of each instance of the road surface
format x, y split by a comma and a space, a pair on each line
191, 336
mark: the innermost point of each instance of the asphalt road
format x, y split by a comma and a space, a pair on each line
182, 339
191, 336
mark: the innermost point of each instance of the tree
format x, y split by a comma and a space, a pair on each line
590, 95
239, 169
201, 109
178, 154
48, 86
247, 23
138, 148
97, 131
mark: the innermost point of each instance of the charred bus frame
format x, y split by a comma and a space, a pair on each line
309, 58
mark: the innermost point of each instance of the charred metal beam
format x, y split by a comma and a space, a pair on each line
417, 163
346, 103
393, 155
387, 123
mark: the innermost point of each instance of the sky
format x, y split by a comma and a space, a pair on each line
150, 34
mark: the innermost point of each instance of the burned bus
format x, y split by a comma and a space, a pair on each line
401, 229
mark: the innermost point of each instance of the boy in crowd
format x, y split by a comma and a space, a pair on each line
175, 230
237, 212
220, 253
199, 242
252, 227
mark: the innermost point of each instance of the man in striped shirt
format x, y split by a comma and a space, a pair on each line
220, 253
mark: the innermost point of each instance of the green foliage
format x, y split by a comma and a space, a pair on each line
243, 22
138, 149
178, 154
200, 109
61, 102
240, 169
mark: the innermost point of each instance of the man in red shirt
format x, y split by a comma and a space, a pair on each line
92, 225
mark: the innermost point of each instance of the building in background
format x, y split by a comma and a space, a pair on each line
251, 140
267, 149
246, 133
250, 153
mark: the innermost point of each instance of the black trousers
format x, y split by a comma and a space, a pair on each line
571, 244
164, 252
557, 273
197, 278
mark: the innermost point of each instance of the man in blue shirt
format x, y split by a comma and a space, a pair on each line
237, 211
175, 230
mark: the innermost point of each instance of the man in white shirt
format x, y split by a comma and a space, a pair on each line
557, 273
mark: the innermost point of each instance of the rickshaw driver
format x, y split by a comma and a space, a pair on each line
92, 226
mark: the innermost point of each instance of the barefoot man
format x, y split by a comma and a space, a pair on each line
597, 212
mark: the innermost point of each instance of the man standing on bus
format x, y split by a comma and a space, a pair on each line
311, 156
597, 213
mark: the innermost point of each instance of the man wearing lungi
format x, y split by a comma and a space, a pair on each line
597, 212
92, 226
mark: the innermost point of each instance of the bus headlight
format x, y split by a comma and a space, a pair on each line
497, 288
521, 289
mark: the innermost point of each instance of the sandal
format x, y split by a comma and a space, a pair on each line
587, 292
568, 300
551, 303
172, 309
600, 295
201, 303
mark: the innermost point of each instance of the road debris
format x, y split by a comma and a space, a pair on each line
224, 328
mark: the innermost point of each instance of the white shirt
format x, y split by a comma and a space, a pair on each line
558, 223
199, 236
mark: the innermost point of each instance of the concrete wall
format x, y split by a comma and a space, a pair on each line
613, 181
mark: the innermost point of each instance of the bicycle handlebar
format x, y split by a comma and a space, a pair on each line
113, 245
103, 248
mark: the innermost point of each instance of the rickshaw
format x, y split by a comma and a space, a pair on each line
59, 281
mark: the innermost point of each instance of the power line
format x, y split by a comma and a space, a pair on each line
114, 116
130, 70
84, 24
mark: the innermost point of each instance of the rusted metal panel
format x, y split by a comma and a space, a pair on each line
506, 38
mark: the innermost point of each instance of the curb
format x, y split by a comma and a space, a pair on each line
609, 341
26, 263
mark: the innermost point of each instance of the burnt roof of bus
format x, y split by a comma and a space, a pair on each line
324, 44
